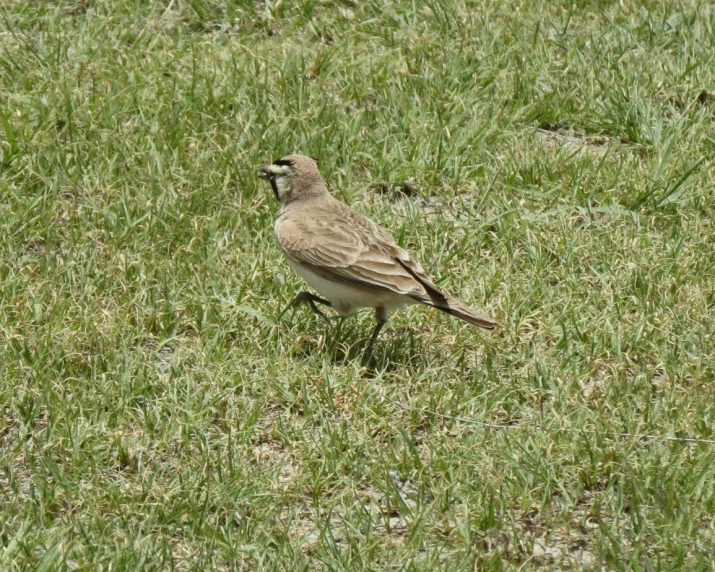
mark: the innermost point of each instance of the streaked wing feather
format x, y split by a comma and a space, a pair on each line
346, 252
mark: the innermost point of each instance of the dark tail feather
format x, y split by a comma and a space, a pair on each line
455, 308
452, 306
459, 310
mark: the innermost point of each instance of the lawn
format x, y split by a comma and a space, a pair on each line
549, 163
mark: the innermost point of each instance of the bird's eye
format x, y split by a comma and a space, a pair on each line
283, 162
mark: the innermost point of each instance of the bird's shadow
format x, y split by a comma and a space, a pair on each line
347, 340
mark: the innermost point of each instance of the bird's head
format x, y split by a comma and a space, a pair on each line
292, 177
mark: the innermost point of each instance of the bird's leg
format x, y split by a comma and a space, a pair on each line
382, 315
311, 299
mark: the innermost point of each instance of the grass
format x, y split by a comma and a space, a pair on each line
157, 415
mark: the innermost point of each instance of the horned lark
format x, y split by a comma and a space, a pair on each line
345, 256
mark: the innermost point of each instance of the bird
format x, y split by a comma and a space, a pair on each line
346, 257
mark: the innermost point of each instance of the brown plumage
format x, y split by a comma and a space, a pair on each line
344, 255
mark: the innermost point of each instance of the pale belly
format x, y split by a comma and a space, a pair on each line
346, 298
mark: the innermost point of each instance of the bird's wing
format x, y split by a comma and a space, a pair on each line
349, 248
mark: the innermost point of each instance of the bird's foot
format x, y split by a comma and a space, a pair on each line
311, 299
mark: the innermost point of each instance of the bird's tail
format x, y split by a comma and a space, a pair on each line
437, 299
455, 308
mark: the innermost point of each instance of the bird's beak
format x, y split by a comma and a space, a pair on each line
265, 172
